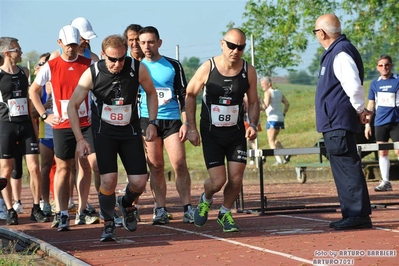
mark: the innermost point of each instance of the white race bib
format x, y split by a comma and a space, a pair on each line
164, 95
224, 116
64, 114
117, 115
18, 107
386, 99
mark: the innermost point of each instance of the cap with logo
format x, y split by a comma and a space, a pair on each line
84, 27
69, 35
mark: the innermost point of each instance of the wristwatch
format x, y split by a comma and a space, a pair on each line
44, 116
154, 122
254, 127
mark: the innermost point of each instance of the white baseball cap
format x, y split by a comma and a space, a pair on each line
69, 34
84, 27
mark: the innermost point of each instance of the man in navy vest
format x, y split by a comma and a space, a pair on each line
340, 110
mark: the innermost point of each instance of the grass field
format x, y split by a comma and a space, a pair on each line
300, 127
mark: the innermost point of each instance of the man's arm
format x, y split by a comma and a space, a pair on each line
194, 87
253, 104
346, 71
85, 84
152, 100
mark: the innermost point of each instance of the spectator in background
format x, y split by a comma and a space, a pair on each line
273, 100
383, 98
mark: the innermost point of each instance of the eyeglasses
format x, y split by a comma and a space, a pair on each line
41, 63
15, 50
384, 65
233, 46
114, 60
314, 31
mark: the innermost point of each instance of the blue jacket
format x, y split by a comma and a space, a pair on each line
333, 108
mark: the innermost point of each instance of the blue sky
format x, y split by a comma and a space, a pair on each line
196, 26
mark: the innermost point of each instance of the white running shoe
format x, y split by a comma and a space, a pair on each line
18, 207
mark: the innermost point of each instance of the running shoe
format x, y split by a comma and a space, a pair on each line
64, 223
227, 222
47, 209
86, 219
201, 212
161, 216
383, 186
71, 207
108, 232
137, 214
117, 219
56, 220
12, 217
90, 208
38, 215
18, 207
188, 216
129, 220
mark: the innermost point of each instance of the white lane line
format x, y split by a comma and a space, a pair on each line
240, 244
321, 220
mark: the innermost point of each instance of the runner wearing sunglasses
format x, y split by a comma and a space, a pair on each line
224, 80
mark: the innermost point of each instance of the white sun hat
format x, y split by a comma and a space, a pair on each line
69, 35
84, 27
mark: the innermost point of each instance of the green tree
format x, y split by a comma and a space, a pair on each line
373, 27
301, 77
280, 30
32, 57
190, 65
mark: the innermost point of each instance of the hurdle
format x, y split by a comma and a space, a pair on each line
259, 154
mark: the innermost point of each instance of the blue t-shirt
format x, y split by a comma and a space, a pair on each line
385, 93
163, 75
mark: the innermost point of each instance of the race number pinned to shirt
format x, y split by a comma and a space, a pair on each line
82, 112
18, 106
117, 115
386, 99
164, 95
224, 116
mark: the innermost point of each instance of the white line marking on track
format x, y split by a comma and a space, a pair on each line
321, 220
240, 244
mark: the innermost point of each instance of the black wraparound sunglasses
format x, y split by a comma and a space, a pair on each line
233, 46
114, 60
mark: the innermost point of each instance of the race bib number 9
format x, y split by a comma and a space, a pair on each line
224, 116
164, 95
18, 106
117, 115
82, 112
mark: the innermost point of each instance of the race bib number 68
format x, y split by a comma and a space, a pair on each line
224, 116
